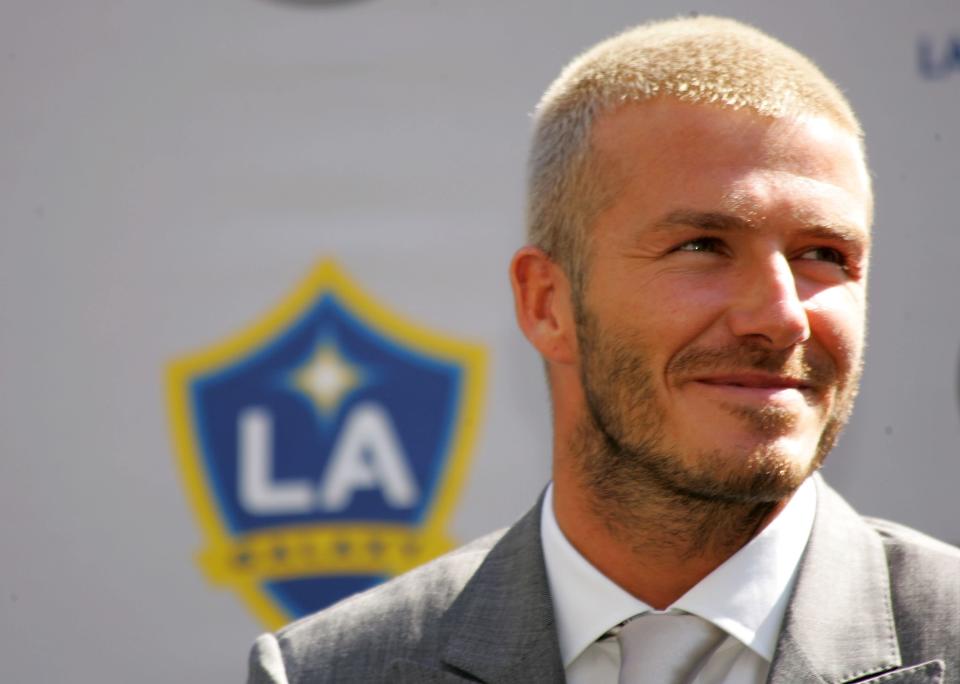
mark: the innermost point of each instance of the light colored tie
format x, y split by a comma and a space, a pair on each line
665, 648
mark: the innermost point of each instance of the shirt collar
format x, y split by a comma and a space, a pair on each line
746, 596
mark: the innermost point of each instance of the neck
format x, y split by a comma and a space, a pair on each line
646, 535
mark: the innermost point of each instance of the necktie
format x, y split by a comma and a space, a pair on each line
665, 648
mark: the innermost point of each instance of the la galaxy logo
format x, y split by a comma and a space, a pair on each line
324, 448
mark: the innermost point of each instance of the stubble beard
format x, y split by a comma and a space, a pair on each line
637, 482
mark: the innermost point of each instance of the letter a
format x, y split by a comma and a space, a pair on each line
368, 456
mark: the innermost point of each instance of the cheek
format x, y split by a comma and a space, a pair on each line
690, 293
837, 322
680, 314
692, 311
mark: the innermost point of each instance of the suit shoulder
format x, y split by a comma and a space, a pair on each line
430, 586
903, 539
924, 576
924, 572
399, 616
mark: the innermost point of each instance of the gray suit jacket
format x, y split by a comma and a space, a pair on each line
874, 602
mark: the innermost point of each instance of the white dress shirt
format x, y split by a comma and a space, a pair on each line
745, 597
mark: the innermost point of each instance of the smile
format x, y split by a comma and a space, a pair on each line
756, 381
757, 388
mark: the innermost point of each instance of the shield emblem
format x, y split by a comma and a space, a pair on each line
323, 449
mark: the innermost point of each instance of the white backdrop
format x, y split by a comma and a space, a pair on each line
170, 170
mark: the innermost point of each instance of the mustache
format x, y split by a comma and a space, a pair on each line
798, 363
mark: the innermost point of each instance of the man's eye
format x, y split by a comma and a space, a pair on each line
828, 254
705, 244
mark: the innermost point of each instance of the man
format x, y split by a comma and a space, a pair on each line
695, 281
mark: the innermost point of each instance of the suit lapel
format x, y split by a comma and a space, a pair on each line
839, 624
409, 672
501, 626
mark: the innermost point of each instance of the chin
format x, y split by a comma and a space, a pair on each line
764, 473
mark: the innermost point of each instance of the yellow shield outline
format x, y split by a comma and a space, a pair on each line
386, 548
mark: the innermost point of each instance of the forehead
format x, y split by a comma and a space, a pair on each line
666, 152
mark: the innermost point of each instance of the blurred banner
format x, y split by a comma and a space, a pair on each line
256, 336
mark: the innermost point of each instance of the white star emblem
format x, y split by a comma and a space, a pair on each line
327, 377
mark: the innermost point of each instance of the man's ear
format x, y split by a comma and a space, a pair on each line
543, 304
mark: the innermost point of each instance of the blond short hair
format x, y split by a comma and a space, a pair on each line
709, 60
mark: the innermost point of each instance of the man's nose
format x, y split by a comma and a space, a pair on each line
767, 305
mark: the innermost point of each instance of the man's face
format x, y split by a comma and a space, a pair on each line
720, 329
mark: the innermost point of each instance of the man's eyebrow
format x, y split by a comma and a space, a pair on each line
705, 220
839, 232
721, 221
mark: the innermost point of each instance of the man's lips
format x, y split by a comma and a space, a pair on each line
758, 389
755, 381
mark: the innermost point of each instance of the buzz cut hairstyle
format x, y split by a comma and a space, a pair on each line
702, 59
